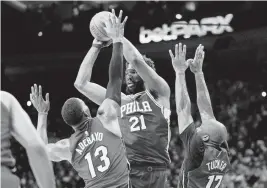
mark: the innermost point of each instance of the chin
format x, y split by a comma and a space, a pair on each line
130, 91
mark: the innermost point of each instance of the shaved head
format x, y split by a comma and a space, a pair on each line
73, 111
213, 131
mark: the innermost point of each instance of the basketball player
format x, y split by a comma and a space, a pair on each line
96, 150
145, 114
205, 161
15, 122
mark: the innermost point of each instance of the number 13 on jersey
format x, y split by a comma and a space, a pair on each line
103, 158
138, 123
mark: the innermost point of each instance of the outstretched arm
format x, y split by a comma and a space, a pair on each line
83, 83
183, 104
24, 132
203, 97
150, 77
57, 151
108, 109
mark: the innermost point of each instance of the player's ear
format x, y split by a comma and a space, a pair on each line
205, 138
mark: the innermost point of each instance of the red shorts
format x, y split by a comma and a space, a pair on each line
9, 180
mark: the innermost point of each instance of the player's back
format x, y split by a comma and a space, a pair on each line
99, 156
209, 174
147, 139
6, 156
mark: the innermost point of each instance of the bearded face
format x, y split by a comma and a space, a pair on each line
134, 82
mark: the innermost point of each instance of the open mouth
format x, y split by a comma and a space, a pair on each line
130, 84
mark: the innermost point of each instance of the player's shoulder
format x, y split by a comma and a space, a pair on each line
8, 99
6, 96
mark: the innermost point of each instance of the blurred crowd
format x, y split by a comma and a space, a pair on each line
236, 104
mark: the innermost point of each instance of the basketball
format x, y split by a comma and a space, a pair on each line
97, 25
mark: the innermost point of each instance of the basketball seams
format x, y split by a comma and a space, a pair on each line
94, 28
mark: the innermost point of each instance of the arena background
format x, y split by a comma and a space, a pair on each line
44, 42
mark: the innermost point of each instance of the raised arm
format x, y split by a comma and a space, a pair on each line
83, 83
183, 104
203, 97
150, 77
24, 132
57, 151
108, 109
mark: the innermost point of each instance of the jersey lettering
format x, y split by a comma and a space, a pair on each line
216, 164
135, 106
88, 141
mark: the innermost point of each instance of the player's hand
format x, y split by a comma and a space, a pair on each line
41, 105
178, 60
101, 44
196, 64
114, 27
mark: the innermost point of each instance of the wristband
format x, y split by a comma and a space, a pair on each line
43, 113
180, 72
99, 46
117, 40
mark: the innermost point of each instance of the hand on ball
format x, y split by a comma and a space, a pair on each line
114, 27
101, 44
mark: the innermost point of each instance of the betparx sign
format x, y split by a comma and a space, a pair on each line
215, 25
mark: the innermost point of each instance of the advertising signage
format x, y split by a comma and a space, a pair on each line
214, 25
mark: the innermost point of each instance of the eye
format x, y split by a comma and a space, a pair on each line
130, 72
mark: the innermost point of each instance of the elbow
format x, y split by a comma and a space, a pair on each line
78, 85
133, 59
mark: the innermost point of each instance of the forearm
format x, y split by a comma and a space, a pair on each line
181, 93
85, 71
115, 73
203, 97
183, 104
131, 54
42, 127
41, 166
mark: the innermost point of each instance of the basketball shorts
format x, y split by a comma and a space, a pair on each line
149, 177
9, 180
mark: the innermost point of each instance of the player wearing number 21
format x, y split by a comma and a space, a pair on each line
96, 150
145, 113
206, 161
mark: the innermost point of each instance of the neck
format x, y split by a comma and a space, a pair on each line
80, 125
213, 144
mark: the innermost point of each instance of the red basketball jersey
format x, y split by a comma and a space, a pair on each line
6, 156
99, 156
210, 173
145, 127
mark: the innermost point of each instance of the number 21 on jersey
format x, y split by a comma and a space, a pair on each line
135, 126
103, 158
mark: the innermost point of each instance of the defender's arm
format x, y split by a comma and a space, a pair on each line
60, 150
108, 109
25, 133
203, 97
183, 104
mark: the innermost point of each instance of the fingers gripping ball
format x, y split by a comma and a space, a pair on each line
97, 25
